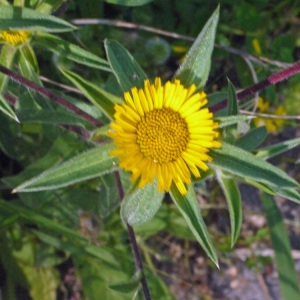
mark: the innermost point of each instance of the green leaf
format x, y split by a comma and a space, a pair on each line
51, 117
140, 205
234, 202
29, 71
6, 59
126, 286
49, 6
244, 164
288, 279
70, 51
252, 139
96, 277
20, 18
290, 194
73, 240
6, 109
90, 164
232, 100
125, 68
188, 207
129, 2
230, 120
99, 97
195, 68
270, 151
232, 110
216, 98
29, 55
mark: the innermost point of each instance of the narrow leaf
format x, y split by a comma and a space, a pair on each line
290, 194
51, 117
90, 164
288, 279
20, 18
49, 6
6, 59
6, 109
232, 110
127, 286
70, 51
125, 68
270, 151
234, 202
252, 139
99, 97
129, 2
194, 69
140, 205
75, 241
242, 163
232, 100
189, 209
230, 120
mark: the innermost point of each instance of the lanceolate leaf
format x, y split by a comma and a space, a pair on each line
129, 2
188, 207
6, 109
102, 99
230, 120
90, 164
232, 110
233, 198
71, 51
49, 6
20, 18
270, 151
51, 117
290, 194
242, 163
6, 59
194, 69
252, 139
288, 279
140, 205
127, 71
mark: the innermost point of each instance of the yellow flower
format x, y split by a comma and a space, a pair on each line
14, 37
272, 124
164, 132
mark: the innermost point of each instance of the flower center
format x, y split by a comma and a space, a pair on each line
162, 135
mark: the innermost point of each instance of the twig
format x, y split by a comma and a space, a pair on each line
121, 24
269, 116
48, 94
273, 79
134, 245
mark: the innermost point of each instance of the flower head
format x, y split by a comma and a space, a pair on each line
164, 132
14, 37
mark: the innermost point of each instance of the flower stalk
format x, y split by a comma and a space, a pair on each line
134, 245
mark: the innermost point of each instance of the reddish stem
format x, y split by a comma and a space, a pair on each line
48, 94
273, 79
